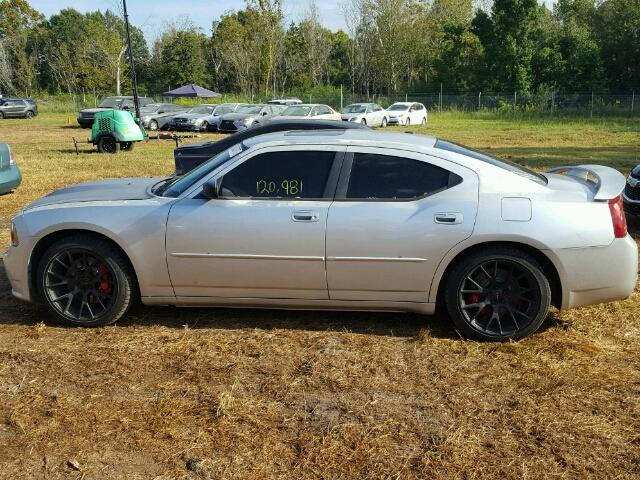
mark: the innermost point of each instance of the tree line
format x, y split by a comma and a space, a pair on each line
389, 46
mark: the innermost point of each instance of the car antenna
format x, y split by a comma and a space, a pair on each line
134, 80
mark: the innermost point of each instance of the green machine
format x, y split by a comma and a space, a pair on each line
115, 130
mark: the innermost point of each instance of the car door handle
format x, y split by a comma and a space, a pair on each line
305, 216
448, 218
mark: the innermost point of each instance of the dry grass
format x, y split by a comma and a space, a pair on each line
197, 394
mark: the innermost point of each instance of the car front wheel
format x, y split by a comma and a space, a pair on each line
384, 122
497, 294
85, 281
28, 115
153, 125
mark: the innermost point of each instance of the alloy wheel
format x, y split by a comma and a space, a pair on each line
80, 285
499, 297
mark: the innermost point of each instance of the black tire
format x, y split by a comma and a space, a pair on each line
502, 313
28, 115
111, 296
363, 121
408, 122
108, 144
384, 123
1, 115
153, 125
127, 146
424, 121
205, 127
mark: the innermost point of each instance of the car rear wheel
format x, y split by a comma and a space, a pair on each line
108, 144
497, 294
153, 125
1, 115
424, 121
86, 281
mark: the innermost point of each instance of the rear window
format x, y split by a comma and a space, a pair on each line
504, 164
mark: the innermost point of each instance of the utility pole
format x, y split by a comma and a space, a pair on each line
134, 80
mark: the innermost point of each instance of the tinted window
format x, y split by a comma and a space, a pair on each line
280, 175
506, 164
386, 177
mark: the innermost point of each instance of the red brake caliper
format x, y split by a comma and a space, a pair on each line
105, 279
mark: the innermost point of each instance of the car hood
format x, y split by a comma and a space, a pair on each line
101, 191
347, 116
189, 116
239, 116
95, 110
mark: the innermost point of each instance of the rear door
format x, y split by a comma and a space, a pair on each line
395, 216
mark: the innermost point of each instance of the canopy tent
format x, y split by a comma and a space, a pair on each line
191, 90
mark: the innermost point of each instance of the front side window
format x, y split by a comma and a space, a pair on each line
385, 177
295, 175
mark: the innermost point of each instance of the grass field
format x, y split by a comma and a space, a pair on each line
246, 394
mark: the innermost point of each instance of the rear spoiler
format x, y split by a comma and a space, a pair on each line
607, 182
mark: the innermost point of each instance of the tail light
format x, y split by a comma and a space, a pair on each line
617, 217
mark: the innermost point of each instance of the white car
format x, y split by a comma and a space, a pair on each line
337, 219
370, 114
407, 113
313, 111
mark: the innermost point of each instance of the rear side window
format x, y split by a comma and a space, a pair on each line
384, 177
505, 164
293, 174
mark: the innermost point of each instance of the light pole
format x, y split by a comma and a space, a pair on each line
134, 81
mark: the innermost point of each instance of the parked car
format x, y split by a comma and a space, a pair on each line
214, 119
247, 116
312, 111
285, 101
156, 116
631, 195
348, 219
10, 177
189, 156
86, 116
407, 113
18, 108
370, 114
195, 119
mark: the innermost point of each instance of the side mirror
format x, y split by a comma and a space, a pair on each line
211, 188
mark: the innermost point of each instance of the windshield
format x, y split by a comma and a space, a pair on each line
249, 109
355, 109
397, 107
296, 111
498, 162
200, 109
222, 109
110, 102
151, 108
175, 186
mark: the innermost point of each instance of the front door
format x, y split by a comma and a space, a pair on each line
265, 237
395, 216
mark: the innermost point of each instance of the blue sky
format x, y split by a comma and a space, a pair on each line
150, 15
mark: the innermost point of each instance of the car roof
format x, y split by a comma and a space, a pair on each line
342, 136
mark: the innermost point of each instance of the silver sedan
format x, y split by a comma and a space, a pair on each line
334, 220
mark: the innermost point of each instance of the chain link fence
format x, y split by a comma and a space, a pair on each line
587, 104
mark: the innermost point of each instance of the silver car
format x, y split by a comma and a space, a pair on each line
349, 219
246, 116
213, 120
156, 116
194, 119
